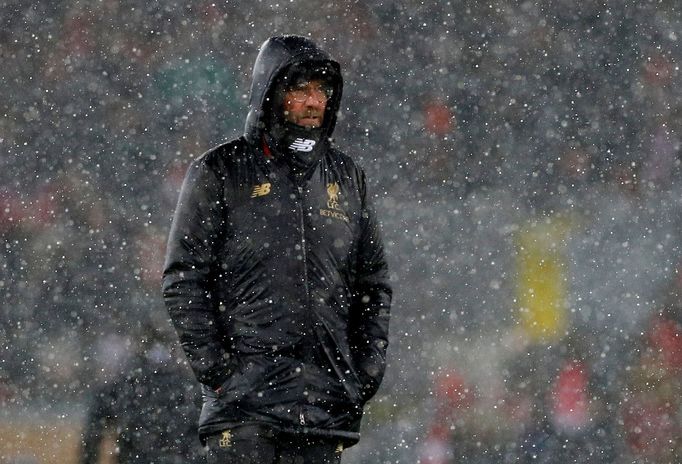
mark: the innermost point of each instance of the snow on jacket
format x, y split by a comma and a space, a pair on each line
277, 284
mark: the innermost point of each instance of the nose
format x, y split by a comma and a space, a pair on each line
313, 103
316, 96
312, 100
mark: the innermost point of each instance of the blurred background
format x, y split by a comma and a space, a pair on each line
524, 157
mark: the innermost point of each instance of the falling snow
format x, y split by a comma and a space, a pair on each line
525, 163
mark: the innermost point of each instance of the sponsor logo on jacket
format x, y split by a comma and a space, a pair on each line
260, 190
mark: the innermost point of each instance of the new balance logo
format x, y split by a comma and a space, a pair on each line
302, 145
260, 190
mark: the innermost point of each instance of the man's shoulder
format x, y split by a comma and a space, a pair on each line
224, 153
345, 163
224, 158
340, 156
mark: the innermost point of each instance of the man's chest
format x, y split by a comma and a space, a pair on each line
272, 210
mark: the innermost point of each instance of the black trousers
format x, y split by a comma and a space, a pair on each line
261, 445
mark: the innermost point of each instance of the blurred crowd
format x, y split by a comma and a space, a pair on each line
525, 162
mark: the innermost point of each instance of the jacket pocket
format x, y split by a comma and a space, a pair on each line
353, 383
244, 379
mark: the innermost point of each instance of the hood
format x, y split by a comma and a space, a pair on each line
276, 55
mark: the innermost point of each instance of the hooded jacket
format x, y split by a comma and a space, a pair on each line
276, 281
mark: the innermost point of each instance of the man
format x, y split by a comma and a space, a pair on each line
275, 275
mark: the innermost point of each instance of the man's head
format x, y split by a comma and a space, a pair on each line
302, 92
305, 102
296, 92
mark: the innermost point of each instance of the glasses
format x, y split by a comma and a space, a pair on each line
302, 92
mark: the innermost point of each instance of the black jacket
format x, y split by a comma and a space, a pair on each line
277, 283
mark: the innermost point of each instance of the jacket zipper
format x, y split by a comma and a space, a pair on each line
301, 417
305, 253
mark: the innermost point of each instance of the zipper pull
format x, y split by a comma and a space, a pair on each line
301, 418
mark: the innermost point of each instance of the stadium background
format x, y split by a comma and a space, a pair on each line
525, 162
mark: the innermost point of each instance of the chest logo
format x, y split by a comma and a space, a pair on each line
302, 145
333, 208
260, 190
225, 439
333, 195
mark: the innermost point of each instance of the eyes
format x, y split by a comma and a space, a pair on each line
301, 92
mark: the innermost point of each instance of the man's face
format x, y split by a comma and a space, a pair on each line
304, 103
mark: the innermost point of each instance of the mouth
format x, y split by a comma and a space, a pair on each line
310, 121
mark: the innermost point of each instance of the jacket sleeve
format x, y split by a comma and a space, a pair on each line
194, 239
371, 301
